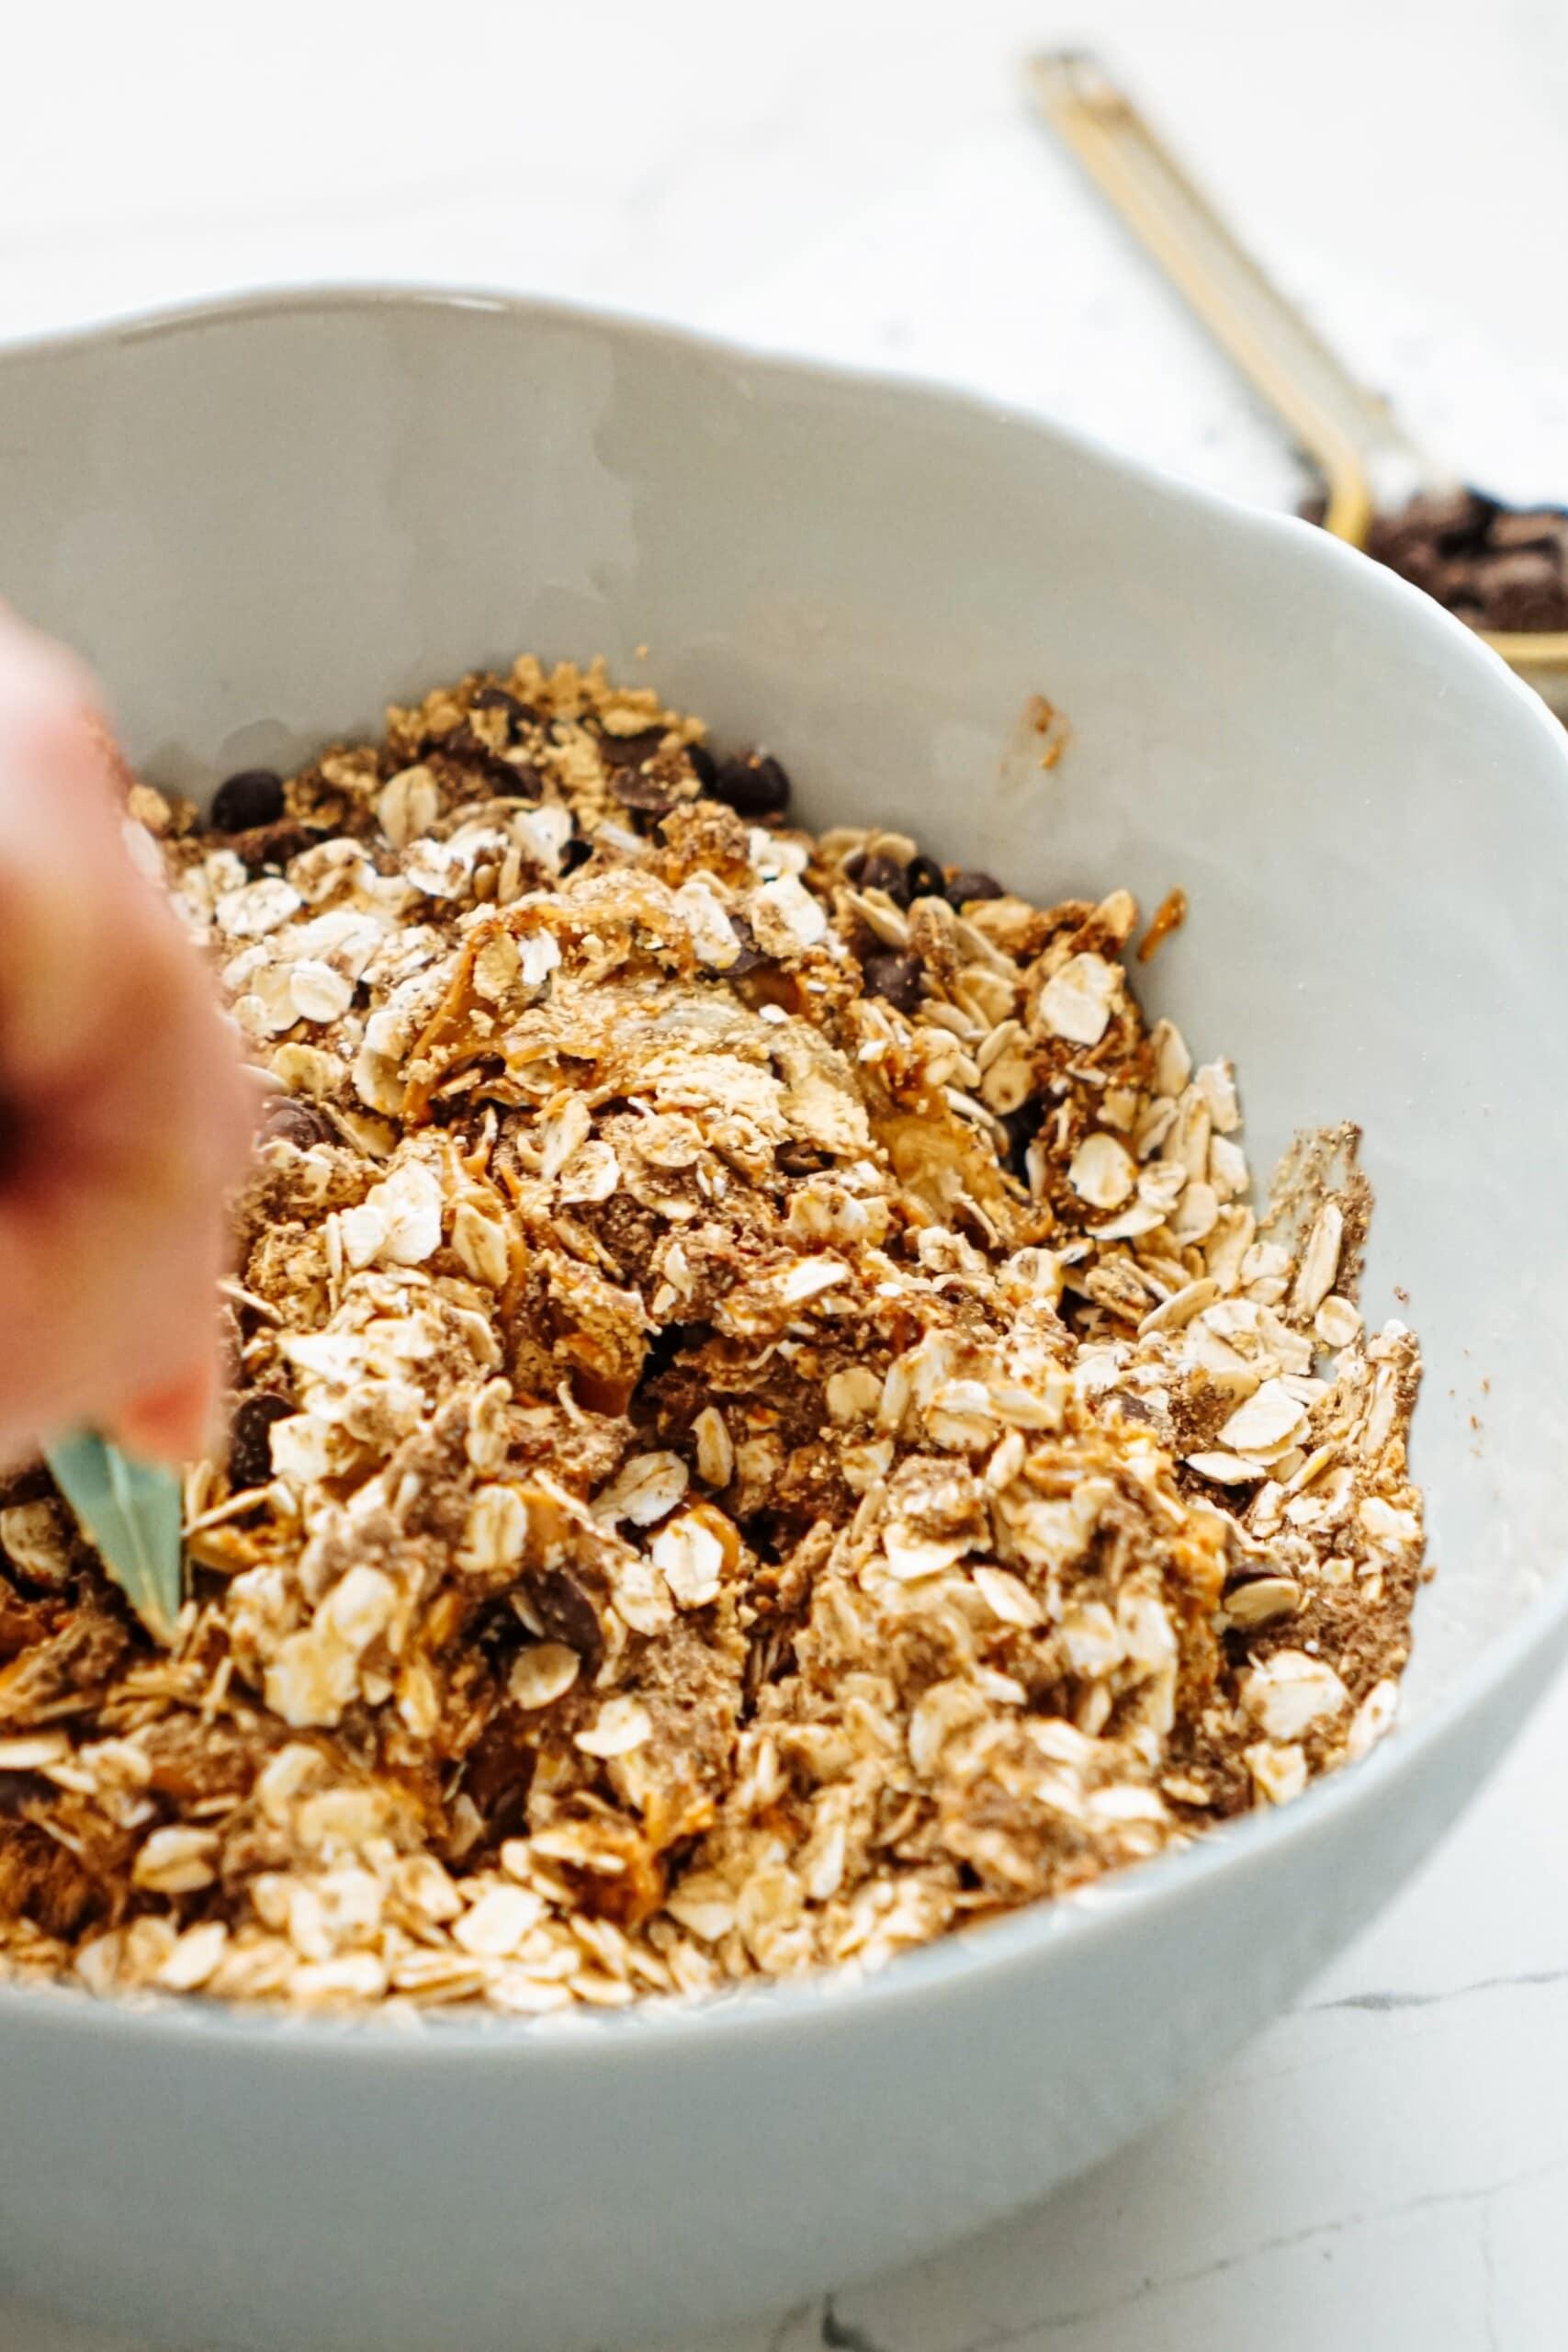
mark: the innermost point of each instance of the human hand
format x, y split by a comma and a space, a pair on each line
124, 1108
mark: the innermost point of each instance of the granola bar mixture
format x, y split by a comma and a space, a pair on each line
765, 1423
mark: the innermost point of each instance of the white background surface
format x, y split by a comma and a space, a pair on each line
1388, 2167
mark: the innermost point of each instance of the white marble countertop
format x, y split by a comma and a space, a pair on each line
1388, 2166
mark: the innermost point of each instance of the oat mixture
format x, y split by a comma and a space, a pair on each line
765, 1426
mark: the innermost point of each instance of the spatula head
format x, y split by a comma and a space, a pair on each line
130, 1511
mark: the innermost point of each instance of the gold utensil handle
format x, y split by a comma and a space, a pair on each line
1341, 425
1365, 458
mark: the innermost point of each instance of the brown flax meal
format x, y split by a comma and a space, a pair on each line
765, 1426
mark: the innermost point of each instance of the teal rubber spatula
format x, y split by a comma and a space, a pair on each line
132, 1512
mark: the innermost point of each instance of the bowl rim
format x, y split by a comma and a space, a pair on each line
842, 1993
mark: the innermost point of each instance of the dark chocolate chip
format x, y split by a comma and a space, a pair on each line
667, 1345
1022, 1126
497, 1632
252, 796
33, 1485
563, 1602
885, 874
630, 750
1454, 519
507, 779
288, 1120
1536, 526
704, 766
1495, 567
797, 1158
521, 714
925, 878
750, 955
964, 888
1522, 590
1450, 579
754, 785
577, 852
897, 977
495, 1777
1131, 1408
654, 794
250, 1439
1426, 566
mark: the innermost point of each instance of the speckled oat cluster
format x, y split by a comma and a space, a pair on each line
765, 1425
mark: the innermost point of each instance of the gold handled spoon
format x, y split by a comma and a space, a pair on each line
1368, 461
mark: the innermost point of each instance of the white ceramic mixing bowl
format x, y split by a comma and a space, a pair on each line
262, 521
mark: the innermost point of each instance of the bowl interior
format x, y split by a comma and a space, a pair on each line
261, 524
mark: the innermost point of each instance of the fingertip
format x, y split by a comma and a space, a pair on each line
171, 1424
31, 656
